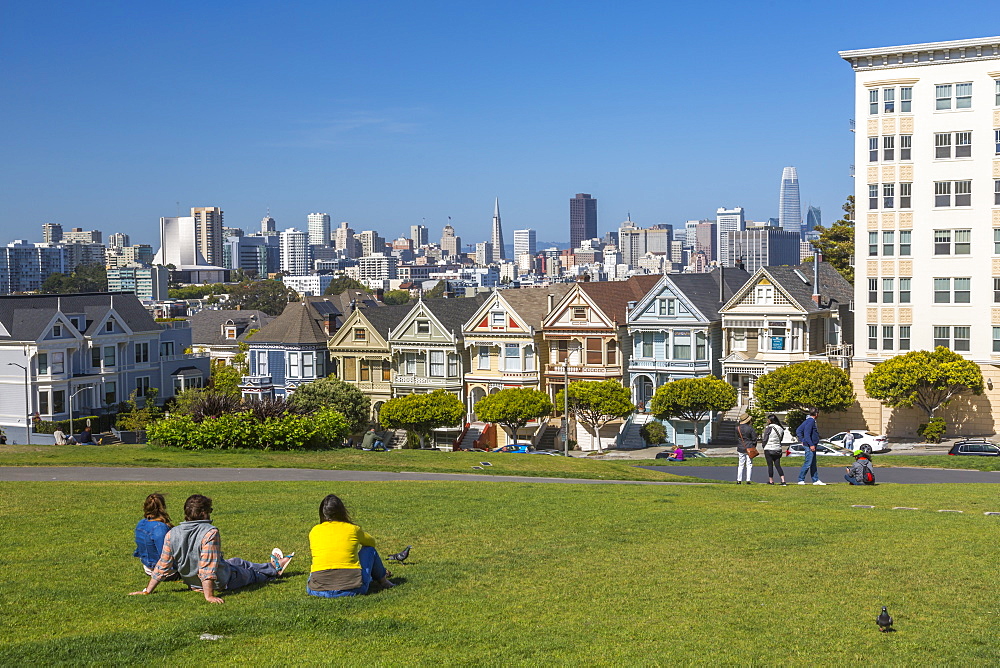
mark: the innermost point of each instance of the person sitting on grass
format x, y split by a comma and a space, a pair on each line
193, 550
860, 473
150, 532
344, 558
86, 437
678, 455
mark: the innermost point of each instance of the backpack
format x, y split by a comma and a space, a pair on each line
868, 476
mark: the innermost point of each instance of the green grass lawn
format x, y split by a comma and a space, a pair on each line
342, 459
520, 573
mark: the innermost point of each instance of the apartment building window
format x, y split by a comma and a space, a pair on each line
43, 403
952, 290
437, 364
872, 243
963, 96
963, 144
611, 351
996, 339
904, 290
95, 357
872, 337
888, 195
109, 356
308, 365
888, 337
512, 357
996, 192
646, 344
873, 196
873, 101
293, 365
905, 238
957, 96
889, 100
963, 193
701, 345
905, 146
872, 290
682, 344
996, 141
996, 290
594, 352
905, 99
483, 359
904, 337
888, 290
963, 242
961, 338
997, 101
942, 242
905, 196
59, 401
942, 145
888, 147
410, 363
873, 149
142, 386
141, 353
452, 365
42, 360
111, 392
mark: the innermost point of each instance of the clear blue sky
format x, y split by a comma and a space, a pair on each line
387, 113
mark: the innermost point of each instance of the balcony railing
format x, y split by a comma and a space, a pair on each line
590, 370
256, 381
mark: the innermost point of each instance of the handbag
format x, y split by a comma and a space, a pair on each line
752, 452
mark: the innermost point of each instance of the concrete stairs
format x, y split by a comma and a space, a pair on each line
395, 439
631, 439
550, 439
475, 431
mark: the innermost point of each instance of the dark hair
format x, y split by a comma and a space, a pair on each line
773, 419
197, 507
332, 509
155, 509
814, 412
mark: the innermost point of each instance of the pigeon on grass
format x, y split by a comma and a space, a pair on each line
884, 621
401, 556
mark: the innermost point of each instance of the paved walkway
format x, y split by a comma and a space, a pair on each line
904, 475
100, 473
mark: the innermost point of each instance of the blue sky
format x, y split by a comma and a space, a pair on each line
387, 114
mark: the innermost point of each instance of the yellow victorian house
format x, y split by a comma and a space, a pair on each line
360, 351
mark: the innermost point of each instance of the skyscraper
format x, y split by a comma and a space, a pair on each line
52, 233
582, 219
371, 242
484, 253
814, 218
118, 240
294, 252
789, 205
524, 242
450, 244
208, 232
343, 240
727, 220
319, 229
267, 226
497, 238
418, 235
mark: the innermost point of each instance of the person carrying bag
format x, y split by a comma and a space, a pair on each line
746, 450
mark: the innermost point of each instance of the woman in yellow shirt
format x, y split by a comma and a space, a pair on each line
344, 560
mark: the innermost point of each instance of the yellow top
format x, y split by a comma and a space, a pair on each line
336, 545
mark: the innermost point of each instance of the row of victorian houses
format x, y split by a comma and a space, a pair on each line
643, 332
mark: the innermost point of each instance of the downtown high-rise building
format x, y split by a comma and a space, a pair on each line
418, 235
344, 241
208, 232
118, 240
497, 237
524, 242
52, 233
789, 204
726, 221
78, 235
371, 242
267, 226
318, 227
814, 218
582, 219
294, 246
451, 245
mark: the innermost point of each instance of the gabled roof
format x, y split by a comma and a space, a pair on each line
25, 317
297, 324
532, 304
612, 297
702, 290
797, 283
206, 325
452, 313
340, 305
386, 317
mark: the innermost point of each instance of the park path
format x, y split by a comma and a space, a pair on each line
835, 474
129, 474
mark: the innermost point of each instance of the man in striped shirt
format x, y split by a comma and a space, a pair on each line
193, 550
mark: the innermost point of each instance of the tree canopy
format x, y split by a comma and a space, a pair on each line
342, 284
692, 400
596, 403
924, 379
513, 408
226, 379
85, 278
334, 393
836, 242
268, 296
396, 297
420, 413
803, 386
437, 291
198, 291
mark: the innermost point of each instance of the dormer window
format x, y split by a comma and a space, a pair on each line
360, 334
496, 319
423, 327
764, 295
579, 313
230, 332
109, 326
57, 331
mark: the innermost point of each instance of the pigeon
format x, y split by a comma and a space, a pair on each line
401, 558
883, 620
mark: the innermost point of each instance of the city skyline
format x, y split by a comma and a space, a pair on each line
412, 125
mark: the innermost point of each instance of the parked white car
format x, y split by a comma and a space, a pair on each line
874, 442
822, 448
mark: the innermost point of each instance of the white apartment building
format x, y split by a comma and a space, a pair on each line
726, 221
524, 242
294, 252
318, 226
309, 285
375, 269
927, 197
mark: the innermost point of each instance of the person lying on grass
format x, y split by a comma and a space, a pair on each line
344, 558
193, 550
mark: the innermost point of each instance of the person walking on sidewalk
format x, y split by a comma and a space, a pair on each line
773, 435
808, 434
746, 439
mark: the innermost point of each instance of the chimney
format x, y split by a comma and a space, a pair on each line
722, 286
552, 302
816, 261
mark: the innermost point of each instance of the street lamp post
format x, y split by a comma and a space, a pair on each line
78, 391
27, 399
566, 408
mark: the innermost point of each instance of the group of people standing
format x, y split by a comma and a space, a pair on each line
345, 562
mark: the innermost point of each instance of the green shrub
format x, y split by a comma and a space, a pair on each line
98, 424
654, 433
793, 419
933, 430
325, 429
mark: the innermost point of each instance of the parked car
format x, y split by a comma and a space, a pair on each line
688, 454
823, 448
978, 447
863, 440
522, 448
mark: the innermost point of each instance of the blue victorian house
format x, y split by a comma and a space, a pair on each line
676, 332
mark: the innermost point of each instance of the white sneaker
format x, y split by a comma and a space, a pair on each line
819, 482
802, 482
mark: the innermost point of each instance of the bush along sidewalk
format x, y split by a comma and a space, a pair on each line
246, 429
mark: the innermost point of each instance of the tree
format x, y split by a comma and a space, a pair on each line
334, 393
420, 413
396, 297
836, 242
437, 291
268, 296
135, 418
692, 400
226, 379
803, 386
926, 380
513, 408
85, 278
596, 403
342, 284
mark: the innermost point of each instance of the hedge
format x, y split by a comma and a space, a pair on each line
98, 424
324, 429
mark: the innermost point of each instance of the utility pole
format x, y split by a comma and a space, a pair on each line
27, 398
566, 408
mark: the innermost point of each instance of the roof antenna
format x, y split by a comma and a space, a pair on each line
178, 209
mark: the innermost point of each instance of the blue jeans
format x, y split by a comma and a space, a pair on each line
243, 573
852, 480
809, 465
371, 569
